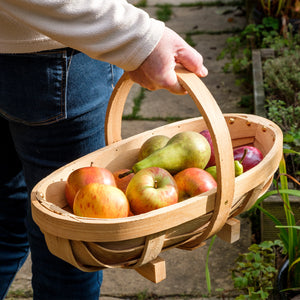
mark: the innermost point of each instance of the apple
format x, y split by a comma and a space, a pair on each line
192, 182
97, 200
212, 160
152, 144
82, 176
130, 214
122, 181
238, 169
249, 156
212, 170
151, 188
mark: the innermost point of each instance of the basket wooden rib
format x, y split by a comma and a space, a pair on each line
92, 244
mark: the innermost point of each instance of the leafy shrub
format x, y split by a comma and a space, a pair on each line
282, 78
254, 36
238, 47
254, 272
282, 86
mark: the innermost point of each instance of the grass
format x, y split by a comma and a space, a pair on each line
17, 294
164, 12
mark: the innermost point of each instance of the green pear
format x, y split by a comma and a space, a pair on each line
152, 144
184, 150
238, 169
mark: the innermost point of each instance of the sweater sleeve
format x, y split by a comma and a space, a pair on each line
109, 30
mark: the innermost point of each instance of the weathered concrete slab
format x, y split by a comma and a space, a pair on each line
185, 271
190, 19
211, 19
131, 128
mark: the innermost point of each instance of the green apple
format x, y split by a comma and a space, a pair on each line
238, 169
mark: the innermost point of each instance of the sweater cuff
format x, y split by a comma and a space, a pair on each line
142, 50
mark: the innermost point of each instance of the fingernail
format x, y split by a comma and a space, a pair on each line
203, 72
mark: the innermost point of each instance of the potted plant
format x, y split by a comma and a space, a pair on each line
286, 11
289, 234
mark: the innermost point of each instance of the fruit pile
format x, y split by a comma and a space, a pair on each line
167, 171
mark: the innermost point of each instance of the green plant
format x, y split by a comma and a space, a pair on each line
141, 3
277, 8
282, 77
207, 273
238, 47
164, 12
282, 88
288, 233
254, 272
254, 36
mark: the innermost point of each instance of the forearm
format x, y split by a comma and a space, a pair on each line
108, 30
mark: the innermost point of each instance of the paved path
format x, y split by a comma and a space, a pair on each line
185, 270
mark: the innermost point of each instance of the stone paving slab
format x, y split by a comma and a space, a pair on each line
204, 19
163, 104
131, 128
185, 270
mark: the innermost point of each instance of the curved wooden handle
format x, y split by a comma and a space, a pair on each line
217, 127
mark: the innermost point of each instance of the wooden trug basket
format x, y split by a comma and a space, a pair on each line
135, 242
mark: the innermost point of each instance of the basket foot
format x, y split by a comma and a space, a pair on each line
154, 270
231, 231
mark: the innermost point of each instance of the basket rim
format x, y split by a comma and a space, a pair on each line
43, 215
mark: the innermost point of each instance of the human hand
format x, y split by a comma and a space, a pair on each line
158, 70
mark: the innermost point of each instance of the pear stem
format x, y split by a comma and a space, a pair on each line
125, 174
244, 155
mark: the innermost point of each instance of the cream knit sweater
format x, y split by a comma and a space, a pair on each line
109, 30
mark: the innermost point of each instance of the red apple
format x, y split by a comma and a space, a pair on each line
151, 188
212, 160
192, 182
252, 156
122, 182
97, 200
82, 176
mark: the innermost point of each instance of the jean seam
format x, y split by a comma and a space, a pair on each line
63, 85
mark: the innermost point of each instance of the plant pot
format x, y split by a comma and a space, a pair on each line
282, 283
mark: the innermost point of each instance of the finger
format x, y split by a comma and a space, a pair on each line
171, 83
192, 61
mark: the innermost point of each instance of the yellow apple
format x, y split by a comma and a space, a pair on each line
83, 176
96, 200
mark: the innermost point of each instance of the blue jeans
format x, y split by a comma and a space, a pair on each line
53, 107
